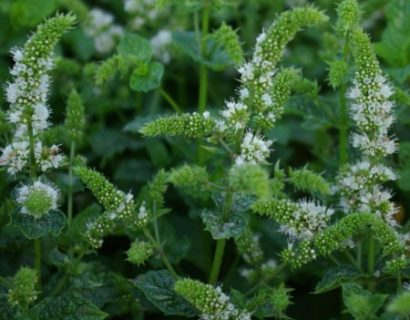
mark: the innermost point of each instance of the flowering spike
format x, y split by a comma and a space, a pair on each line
23, 292
139, 252
256, 75
301, 220
338, 235
348, 14
249, 247
228, 39
27, 95
75, 118
211, 302
251, 179
120, 207
307, 180
189, 177
193, 125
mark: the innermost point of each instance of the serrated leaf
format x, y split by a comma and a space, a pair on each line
400, 304
360, 303
221, 228
147, 77
34, 228
68, 306
215, 57
135, 46
335, 277
158, 286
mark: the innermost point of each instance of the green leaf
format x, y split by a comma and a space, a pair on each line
215, 56
31, 12
34, 228
158, 286
147, 77
135, 46
362, 304
69, 306
335, 277
221, 228
400, 304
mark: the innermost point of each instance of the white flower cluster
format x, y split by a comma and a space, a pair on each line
37, 199
100, 26
160, 45
226, 309
371, 111
257, 81
308, 219
142, 12
29, 113
254, 149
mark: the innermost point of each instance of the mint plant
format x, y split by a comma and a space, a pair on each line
262, 169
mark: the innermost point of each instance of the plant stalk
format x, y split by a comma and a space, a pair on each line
70, 185
344, 116
216, 264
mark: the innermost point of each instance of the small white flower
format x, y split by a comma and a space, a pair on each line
254, 149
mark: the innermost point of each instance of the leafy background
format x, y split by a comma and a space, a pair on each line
117, 109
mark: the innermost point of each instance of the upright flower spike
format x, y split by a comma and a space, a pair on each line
249, 247
348, 14
139, 252
27, 95
257, 74
211, 302
371, 111
23, 292
75, 118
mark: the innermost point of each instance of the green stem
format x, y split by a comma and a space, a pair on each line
216, 265
267, 279
37, 259
344, 116
70, 185
371, 255
203, 71
33, 176
399, 282
220, 243
359, 254
171, 101
353, 261
161, 252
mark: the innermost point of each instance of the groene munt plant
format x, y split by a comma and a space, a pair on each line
262, 176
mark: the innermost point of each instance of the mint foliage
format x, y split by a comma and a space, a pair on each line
214, 160
158, 286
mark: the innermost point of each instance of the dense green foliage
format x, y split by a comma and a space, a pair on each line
206, 159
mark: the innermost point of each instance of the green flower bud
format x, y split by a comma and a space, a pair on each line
348, 14
193, 125
308, 181
337, 73
227, 38
249, 247
23, 292
189, 177
251, 179
139, 252
75, 118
